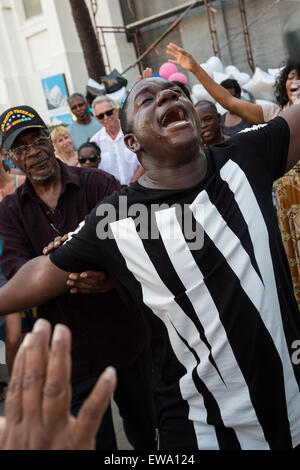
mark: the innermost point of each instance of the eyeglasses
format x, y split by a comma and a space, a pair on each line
107, 113
20, 152
92, 159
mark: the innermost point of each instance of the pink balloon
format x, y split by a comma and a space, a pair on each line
178, 77
167, 69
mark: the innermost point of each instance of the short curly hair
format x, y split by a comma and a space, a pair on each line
280, 84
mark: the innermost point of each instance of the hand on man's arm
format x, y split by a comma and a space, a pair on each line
88, 282
37, 415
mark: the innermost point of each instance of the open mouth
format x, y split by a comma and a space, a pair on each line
173, 117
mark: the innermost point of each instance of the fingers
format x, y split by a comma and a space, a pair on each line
36, 357
13, 402
91, 413
87, 282
56, 401
55, 244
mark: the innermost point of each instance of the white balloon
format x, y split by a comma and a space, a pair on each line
220, 77
215, 64
199, 93
232, 70
275, 72
261, 85
243, 78
208, 69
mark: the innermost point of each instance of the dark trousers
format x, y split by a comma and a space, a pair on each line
134, 399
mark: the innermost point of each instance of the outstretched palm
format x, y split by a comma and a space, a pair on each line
181, 57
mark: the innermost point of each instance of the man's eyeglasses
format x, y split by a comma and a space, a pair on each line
92, 159
107, 113
21, 152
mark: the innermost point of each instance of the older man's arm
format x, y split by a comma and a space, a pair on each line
36, 282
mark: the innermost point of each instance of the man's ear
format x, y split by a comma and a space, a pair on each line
132, 143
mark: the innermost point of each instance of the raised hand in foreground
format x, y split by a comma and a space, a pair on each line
37, 415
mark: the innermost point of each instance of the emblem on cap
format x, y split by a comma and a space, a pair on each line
14, 117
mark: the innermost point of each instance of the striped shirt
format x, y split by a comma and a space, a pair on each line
223, 318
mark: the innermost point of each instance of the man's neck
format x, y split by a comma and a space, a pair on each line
50, 185
180, 177
113, 131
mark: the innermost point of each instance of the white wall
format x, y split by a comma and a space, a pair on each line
34, 49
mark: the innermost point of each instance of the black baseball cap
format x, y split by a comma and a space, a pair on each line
16, 120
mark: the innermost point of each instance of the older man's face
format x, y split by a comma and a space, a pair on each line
33, 153
106, 114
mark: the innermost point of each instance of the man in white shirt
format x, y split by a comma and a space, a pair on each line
116, 158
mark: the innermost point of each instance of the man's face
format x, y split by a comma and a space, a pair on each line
210, 124
36, 161
80, 108
107, 120
162, 119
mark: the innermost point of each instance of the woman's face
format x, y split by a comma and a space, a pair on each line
291, 84
64, 143
88, 157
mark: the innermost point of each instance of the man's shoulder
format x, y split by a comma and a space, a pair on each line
99, 135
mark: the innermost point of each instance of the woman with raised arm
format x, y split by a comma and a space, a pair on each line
287, 189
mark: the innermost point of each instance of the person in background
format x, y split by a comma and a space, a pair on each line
89, 155
64, 145
211, 133
287, 188
116, 158
232, 123
85, 125
13, 330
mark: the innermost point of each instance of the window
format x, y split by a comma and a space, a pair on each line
32, 8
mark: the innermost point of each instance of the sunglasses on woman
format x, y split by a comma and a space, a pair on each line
92, 159
107, 113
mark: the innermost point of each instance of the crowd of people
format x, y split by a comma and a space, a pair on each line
185, 303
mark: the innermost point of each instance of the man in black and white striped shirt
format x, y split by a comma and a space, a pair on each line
195, 244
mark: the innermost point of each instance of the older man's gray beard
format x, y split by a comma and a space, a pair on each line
45, 177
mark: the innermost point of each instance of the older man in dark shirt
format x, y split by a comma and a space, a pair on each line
52, 201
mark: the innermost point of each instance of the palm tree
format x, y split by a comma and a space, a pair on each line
88, 39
